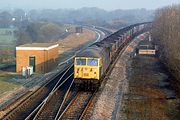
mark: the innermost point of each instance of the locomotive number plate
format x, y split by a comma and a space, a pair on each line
86, 74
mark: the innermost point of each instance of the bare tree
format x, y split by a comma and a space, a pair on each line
166, 32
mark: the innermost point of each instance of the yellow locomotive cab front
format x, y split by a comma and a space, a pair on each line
86, 68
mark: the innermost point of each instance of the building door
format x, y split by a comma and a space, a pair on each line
32, 62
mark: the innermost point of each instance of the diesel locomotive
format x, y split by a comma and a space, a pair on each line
91, 64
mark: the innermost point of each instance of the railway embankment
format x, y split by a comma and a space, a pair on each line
150, 95
111, 93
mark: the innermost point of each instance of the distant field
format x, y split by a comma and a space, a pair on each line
7, 36
6, 84
7, 45
6, 64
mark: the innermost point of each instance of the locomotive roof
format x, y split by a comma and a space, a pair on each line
90, 52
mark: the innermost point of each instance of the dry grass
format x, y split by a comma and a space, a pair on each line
75, 40
6, 85
73, 43
173, 109
145, 100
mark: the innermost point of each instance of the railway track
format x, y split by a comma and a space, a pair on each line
52, 104
35, 99
104, 30
78, 107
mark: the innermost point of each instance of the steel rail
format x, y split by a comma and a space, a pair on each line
64, 99
61, 78
45, 102
85, 105
69, 105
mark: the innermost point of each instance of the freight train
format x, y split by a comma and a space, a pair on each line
91, 64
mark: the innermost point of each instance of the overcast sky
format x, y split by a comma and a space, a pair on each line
104, 4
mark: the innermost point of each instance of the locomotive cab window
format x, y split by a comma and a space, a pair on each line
92, 62
80, 61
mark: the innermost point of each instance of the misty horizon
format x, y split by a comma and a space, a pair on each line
73, 9
79, 4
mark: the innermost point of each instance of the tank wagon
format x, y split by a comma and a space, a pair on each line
91, 64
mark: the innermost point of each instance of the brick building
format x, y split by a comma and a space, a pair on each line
42, 56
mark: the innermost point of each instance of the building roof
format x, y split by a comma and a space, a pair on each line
37, 46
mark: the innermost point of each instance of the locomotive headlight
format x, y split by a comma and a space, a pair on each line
95, 75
